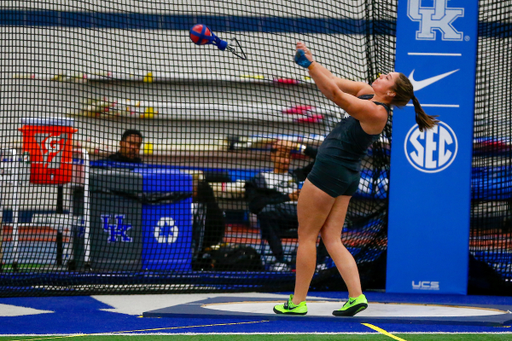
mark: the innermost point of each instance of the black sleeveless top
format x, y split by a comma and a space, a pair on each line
348, 143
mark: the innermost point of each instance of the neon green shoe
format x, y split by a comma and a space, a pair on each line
352, 306
289, 308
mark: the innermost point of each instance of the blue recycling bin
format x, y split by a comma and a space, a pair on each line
166, 219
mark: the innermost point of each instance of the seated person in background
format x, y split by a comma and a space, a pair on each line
273, 197
129, 147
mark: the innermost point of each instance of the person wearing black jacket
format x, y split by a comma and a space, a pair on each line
273, 196
129, 147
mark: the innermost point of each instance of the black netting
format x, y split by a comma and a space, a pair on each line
77, 75
490, 239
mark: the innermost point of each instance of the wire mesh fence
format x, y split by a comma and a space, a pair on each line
127, 149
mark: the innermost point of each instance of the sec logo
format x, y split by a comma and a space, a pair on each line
432, 150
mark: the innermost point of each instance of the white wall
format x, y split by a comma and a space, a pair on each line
239, 7
45, 52
48, 51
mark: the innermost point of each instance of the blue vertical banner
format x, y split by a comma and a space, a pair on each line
430, 185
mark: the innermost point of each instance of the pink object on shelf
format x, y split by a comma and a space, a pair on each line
298, 110
311, 119
286, 81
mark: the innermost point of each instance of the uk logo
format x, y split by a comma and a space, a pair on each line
166, 232
116, 230
431, 150
440, 18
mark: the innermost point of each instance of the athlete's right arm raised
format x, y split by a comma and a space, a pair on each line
352, 87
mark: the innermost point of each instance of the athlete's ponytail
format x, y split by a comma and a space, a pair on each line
423, 120
404, 93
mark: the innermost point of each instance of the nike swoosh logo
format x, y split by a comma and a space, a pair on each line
418, 85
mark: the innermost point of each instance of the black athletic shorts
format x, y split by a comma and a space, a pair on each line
334, 178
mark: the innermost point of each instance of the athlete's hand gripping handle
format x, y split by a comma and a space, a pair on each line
303, 56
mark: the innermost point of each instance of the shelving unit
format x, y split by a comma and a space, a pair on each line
190, 118
14, 173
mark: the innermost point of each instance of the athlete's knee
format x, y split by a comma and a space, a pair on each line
306, 236
331, 242
330, 235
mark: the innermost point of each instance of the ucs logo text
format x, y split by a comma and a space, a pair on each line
425, 285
